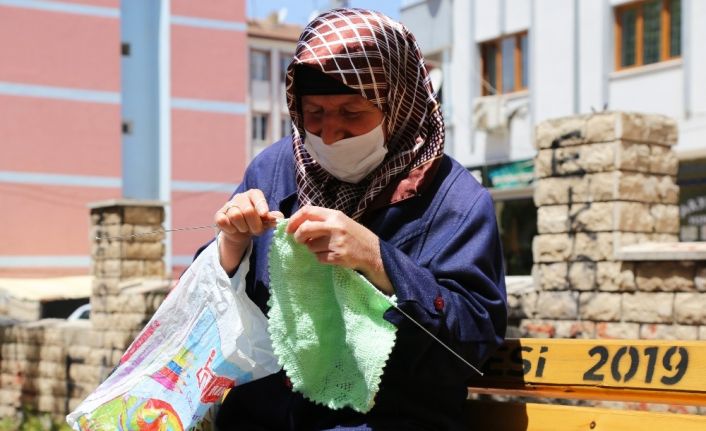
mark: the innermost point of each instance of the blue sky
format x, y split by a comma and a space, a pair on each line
298, 11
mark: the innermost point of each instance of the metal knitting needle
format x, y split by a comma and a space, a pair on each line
154, 232
429, 333
411, 319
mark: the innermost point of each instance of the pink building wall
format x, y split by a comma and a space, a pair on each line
60, 133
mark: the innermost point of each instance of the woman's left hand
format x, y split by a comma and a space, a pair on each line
337, 239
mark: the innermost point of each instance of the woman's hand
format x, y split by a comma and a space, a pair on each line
337, 239
244, 216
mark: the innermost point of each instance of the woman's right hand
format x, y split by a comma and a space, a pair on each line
245, 215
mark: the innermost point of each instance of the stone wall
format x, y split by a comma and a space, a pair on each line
51, 365
606, 184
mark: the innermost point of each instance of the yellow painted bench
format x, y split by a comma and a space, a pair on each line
641, 371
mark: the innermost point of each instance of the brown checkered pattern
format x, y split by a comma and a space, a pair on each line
371, 53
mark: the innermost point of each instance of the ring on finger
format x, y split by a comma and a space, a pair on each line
229, 206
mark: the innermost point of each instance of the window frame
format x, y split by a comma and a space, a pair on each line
267, 66
517, 58
665, 34
265, 126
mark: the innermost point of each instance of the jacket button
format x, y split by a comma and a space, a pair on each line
439, 303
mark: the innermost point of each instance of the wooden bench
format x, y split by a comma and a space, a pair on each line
640, 371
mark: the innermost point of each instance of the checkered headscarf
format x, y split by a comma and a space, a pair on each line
370, 53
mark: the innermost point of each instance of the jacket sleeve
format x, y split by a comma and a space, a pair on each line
454, 286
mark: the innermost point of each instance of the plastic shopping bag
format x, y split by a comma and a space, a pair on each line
206, 337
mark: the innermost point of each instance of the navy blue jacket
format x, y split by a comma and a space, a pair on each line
442, 253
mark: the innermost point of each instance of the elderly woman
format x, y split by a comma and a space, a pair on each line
365, 184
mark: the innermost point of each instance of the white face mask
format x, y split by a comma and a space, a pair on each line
350, 159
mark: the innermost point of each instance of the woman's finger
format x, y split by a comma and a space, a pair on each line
223, 223
310, 230
319, 245
307, 213
236, 218
259, 202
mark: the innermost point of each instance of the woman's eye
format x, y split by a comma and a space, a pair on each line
313, 111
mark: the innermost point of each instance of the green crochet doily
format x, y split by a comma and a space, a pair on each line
326, 325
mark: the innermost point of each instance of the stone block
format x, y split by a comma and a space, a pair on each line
551, 247
667, 189
690, 308
700, 279
554, 191
106, 216
617, 330
663, 160
551, 276
537, 328
117, 339
105, 286
83, 372
666, 276
592, 246
622, 239
119, 268
553, 219
144, 215
52, 353
557, 305
50, 404
154, 268
142, 250
600, 306
53, 386
106, 249
668, 332
591, 217
576, 160
582, 275
129, 321
100, 356
147, 233
666, 218
574, 329
561, 132
513, 307
528, 305
643, 307
664, 237
605, 127
52, 369
652, 128
615, 276
634, 217
702, 332
631, 156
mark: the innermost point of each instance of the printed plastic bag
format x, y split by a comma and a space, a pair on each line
206, 337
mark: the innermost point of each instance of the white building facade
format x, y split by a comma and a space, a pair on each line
271, 45
510, 64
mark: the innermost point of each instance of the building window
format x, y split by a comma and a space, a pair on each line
259, 65
504, 64
647, 32
284, 60
259, 127
286, 126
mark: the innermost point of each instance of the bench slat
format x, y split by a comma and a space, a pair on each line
547, 417
668, 367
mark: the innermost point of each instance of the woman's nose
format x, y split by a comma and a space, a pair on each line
331, 130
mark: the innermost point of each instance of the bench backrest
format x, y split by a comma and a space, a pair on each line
644, 371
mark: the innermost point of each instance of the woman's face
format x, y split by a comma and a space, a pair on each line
339, 116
